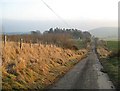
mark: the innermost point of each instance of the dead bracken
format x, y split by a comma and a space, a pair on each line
37, 65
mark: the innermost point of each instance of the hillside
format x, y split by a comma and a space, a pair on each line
106, 33
37, 66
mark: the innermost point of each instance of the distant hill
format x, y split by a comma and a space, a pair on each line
106, 33
16, 33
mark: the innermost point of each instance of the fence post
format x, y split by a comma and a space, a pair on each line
21, 40
51, 45
39, 43
5, 39
45, 44
30, 43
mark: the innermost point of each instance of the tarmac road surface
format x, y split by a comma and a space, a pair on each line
85, 75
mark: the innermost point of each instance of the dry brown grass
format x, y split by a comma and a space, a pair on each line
103, 52
36, 66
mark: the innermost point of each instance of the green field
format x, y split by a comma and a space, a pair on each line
111, 63
112, 45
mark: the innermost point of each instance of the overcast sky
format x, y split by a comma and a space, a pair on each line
84, 14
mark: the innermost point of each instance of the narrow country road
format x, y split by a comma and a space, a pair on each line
85, 75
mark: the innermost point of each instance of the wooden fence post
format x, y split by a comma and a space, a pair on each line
45, 44
39, 43
21, 40
5, 39
30, 43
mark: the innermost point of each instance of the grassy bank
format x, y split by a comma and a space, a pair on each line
35, 66
111, 63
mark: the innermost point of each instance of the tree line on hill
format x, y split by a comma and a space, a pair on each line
57, 36
75, 33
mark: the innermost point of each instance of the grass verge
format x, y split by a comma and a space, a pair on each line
111, 63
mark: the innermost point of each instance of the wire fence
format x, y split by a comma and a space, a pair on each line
21, 41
